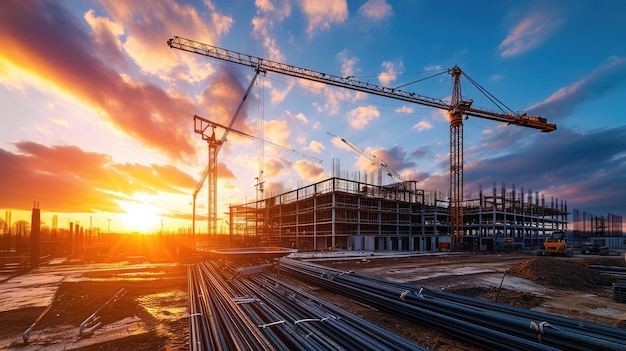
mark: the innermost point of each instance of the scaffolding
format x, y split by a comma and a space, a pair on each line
511, 219
353, 215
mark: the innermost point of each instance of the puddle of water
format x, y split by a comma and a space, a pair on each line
160, 305
29, 290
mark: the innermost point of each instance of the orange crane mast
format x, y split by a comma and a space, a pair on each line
211, 168
201, 125
457, 109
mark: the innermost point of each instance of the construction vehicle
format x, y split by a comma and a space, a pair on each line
597, 249
556, 244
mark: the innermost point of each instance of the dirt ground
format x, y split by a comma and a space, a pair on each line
556, 285
152, 314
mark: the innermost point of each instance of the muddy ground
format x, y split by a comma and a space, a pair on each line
152, 313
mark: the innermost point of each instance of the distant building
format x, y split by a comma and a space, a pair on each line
594, 229
353, 215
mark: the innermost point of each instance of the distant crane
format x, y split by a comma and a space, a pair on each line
457, 109
201, 125
211, 169
380, 163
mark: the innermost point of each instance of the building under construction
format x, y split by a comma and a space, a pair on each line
589, 228
355, 215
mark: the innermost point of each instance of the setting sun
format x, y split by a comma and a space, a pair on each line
140, 216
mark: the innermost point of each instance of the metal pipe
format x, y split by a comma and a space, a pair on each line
456, 315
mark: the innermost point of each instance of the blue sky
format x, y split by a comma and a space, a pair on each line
97, 117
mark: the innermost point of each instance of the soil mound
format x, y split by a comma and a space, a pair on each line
559, 273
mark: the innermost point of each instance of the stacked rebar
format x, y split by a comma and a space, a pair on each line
260, 312
490, 325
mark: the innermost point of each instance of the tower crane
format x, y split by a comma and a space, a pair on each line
200, 127
211, 168
457, 109
373, 159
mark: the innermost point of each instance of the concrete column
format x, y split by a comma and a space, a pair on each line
35, 237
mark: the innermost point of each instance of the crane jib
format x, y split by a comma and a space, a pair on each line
265, 65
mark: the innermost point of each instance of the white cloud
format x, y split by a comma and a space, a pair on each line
597, 84
404, 109
347, 64
301, 117
529, 33
361, 116
422, 126
441, 115
390, 72
433, 68
290, 117
268, 13
322, 13
376, 9
496, 77
315, 146
278, 96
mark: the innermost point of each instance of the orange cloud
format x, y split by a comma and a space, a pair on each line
65, 178
223, 95
107, 35
70, 64
275, 166
146, 26
316, 147
309, 171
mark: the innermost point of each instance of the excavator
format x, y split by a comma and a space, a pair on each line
556, 244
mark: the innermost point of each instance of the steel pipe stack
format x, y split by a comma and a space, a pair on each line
483, 323
260, 312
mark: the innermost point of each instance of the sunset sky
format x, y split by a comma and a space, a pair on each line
97, 111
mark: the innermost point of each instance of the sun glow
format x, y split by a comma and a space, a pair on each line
140, 216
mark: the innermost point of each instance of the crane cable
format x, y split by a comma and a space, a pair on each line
261, 135
489, 96
419, 80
